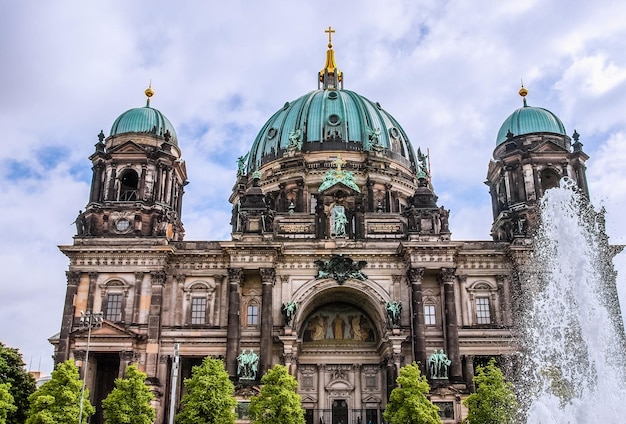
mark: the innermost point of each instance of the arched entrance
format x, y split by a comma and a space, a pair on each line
342, 351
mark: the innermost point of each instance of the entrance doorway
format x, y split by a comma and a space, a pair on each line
340, 411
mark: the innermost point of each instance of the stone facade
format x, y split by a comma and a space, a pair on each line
350, 236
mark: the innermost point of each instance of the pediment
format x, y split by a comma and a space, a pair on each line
339, 384
308, 399
129, 147
337, 187
371, 399
549, 146
110, 330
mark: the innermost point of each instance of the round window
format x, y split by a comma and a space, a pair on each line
333, 119
122, 225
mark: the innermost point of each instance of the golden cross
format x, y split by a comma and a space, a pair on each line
330, 31
338, 163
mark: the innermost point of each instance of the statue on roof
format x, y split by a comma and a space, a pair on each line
422, 165
241, 164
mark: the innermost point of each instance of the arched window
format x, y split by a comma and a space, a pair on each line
483, 298
200, 302
129, 186
114, 294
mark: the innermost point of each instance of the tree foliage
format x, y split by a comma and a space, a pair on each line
21, 383
209, 397
58, 399
278, 402
129, 401
494, 401
7, 405
408, 402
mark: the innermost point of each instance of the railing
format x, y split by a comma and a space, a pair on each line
344, 416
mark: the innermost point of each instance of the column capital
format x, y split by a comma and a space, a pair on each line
447, 275
268, 275
416, 274
158, 278
235, 275
73, 277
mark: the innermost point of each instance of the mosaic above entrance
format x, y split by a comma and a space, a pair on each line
339, 322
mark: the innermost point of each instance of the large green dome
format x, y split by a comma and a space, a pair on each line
529, 120
144, 120
330, 119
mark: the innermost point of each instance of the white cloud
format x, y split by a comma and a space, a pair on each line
448, 71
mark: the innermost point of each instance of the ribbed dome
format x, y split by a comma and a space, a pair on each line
331, 119
528, 120
144, 120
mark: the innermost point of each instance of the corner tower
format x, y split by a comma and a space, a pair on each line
138, 179
532, 154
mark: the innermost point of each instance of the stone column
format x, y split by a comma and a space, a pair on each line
469, 372
111, 190
504, 294
452, 331
321, 383
96, 182
141, 190
357, 386
154, 326
127, 357
419, 337
235, 276
137, 300
67, 322
93, 277
268, 278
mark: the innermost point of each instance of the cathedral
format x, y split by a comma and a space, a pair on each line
341, 264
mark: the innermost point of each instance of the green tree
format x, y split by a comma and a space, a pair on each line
209, 397
7, 405
21, 383
58, 399
278, 402
408, 402
129, 401
494, 401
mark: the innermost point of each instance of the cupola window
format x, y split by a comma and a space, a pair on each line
129, 186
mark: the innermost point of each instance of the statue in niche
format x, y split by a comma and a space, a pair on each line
339, 221
393, 312
338, 327
289, 312
248, 364
438, 365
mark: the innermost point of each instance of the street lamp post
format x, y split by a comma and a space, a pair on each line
87, 321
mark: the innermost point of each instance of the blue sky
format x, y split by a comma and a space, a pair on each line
448, 71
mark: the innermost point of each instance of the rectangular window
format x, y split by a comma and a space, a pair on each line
242, 410
446, 410
483, 315
371, 416
114, 307
429, 315
198, 310
253, 315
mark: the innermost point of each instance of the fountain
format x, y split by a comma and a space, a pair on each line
572, 369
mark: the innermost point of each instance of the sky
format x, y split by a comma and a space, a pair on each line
448, 71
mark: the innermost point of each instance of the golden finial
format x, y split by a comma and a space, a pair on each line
330, 32
523, 92
149, 93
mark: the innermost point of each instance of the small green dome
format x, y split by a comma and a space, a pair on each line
144, 120
529, 120
331, 119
